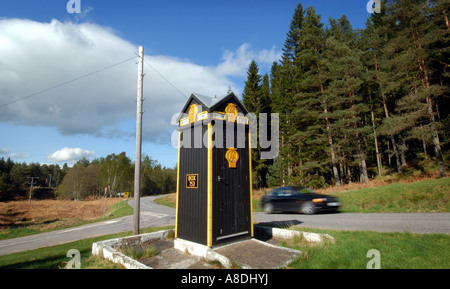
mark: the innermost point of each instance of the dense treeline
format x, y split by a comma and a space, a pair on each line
15, 178
356, 104
116, 172
86, 178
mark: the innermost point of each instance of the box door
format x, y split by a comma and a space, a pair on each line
231, 198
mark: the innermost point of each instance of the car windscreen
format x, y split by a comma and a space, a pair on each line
303, 190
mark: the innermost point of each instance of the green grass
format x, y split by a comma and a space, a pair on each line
425, 196
55, 257
397, 251
257, 205
169, 201
139, 252
121, 209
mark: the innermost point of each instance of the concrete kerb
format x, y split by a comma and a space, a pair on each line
107, 249
201, 251
289, 234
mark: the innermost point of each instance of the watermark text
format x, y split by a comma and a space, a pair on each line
74, 6
75, 262
263, 132
375, 262
374, 6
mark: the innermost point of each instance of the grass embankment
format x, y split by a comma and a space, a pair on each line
424, 196
19, 218
396, 251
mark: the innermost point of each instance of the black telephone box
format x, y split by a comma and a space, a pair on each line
214, 203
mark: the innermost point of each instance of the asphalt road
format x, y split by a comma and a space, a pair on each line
419, 223
154, 215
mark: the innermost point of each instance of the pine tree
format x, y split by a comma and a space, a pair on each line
311, 111
370, 45
252, 90
409, 60
373, 40
278, 172
343, 96
292, 42
288, 75
265, 108
252, 100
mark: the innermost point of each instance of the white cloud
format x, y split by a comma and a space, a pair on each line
37, 56
236, 63
19, 156
6, 152
69, 155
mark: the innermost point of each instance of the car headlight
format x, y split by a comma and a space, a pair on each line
319, 200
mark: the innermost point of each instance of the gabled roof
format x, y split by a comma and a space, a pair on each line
211, 103
206, 101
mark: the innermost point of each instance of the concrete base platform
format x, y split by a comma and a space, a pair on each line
171, 258
182, 254
247, 254
256, 254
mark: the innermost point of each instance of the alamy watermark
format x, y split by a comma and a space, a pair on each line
73, 6
264, 132
375, 262
374, 6
75, 262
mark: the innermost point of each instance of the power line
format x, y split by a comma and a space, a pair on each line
154, 69
65, 83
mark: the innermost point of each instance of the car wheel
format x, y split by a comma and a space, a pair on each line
308, 208
268, 208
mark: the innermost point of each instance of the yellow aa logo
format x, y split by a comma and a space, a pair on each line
231, 111
232, 157
193, 111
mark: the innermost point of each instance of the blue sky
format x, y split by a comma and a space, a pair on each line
198, 46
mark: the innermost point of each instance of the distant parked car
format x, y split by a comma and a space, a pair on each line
298, 199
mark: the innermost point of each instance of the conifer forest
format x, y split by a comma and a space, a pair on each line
357, 104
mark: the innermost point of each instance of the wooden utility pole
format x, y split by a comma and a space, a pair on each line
32, 183
137, 162
104, 206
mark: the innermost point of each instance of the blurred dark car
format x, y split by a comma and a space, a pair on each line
298, 199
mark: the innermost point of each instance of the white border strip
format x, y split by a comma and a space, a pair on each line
231, 235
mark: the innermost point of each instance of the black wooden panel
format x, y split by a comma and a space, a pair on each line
192, 202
